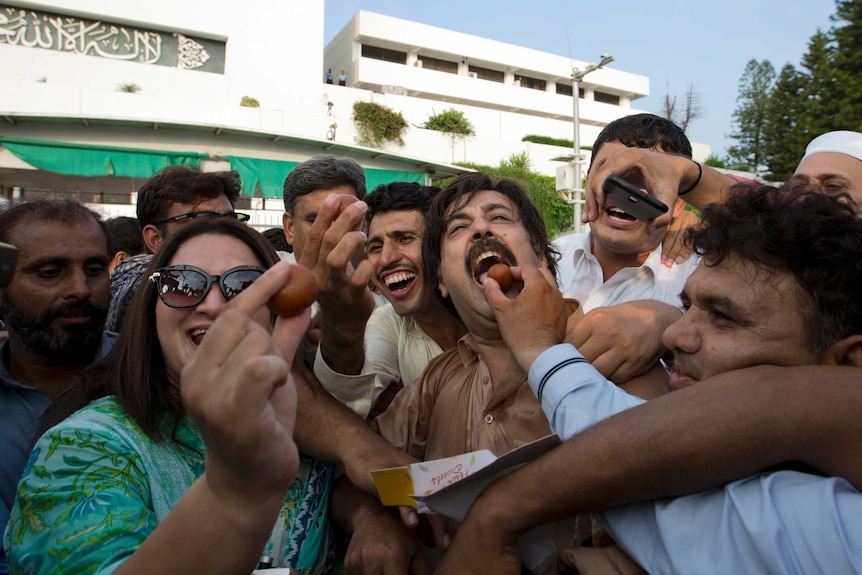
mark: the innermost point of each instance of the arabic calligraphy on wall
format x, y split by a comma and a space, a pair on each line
48, 31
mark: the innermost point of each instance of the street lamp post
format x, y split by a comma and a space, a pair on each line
578, 159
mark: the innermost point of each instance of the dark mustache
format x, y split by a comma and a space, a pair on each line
489, 244
74, 307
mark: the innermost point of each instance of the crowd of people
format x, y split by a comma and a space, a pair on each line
702, 370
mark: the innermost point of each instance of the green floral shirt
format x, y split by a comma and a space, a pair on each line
96, 486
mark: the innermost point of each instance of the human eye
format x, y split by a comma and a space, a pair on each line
49, 272
374, 248
721, 320
685, 301
834, 188
94, 269
455, 228
406, 239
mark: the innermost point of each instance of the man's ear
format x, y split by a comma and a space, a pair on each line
848, 351
677, 207
443, 291
287, 224
118, 257
152, 237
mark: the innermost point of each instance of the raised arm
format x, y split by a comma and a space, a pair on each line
663, 175
332, 254
697, 438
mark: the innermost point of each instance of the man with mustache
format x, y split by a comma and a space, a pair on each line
54, 309
402, 336
778, 285
474, 396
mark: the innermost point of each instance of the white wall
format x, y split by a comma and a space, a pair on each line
275, 53
263, 38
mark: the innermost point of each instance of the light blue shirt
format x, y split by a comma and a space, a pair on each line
778, 522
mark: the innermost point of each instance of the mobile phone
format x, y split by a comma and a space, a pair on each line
8, 259
631, 199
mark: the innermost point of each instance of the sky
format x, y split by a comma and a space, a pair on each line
676, 43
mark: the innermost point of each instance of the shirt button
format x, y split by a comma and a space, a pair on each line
489, 418
485, 380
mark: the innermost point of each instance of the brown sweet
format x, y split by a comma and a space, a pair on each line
297, 295
502, 275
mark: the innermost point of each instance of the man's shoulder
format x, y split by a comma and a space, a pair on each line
577, 240
442, 367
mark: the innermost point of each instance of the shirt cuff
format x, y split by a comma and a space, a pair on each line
357, 392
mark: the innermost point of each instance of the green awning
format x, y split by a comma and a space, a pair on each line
88, 160
270, 174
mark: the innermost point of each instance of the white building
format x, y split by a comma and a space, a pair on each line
99, 95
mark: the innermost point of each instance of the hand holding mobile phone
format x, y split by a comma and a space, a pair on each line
631, 199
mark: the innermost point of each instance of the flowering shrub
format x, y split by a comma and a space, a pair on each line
376, 124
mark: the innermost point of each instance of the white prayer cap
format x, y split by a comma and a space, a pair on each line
841, 142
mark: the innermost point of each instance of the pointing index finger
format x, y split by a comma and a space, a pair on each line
258, 294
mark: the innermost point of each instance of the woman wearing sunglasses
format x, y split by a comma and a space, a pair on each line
183, 459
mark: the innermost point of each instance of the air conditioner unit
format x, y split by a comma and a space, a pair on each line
516, 83
473, 74
418, 63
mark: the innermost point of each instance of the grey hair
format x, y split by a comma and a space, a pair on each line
322, 172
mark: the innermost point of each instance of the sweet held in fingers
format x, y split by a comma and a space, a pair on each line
298, 294
501, 274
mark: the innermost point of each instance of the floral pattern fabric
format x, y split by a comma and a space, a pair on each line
96, 486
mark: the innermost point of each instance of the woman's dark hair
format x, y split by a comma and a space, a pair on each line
134, 371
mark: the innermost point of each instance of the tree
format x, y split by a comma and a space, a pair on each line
755, 88
819, 94
715, 162
691, 111
557, 213
847, 62
784, 132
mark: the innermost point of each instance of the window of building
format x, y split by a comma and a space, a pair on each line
486, 74
384, 54
606, 98
566, 90
532, 83
430, 63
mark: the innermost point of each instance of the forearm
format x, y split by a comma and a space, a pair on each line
348, 503
342, 344
327, 430
323, 425
711, 188
357, 392
703, 436
200, 524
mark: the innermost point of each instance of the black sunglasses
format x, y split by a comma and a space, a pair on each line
204, 214
187, 286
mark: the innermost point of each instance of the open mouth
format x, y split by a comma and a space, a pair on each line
483, 262
400, 282
615, 214
197, 335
